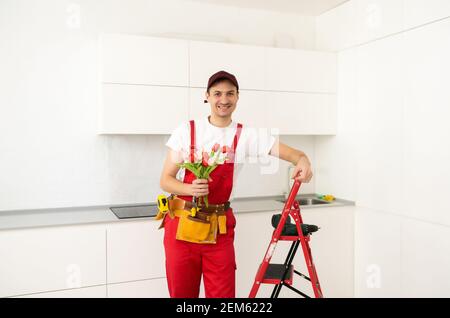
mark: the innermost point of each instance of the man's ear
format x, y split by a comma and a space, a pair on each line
206, 97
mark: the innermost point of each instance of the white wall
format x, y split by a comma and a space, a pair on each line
391, 151
50, 154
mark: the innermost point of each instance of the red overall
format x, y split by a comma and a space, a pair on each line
185, 261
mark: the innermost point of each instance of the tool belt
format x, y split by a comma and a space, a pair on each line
199, 226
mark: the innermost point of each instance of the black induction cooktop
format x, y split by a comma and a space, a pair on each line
135, 211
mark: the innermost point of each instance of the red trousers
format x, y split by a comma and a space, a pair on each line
186, 262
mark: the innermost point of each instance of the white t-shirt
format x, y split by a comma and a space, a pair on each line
252, 144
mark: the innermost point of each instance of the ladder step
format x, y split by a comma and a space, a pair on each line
290, 229
275, 273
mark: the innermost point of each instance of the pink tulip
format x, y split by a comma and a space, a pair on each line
215, 147
230, 157
205, 158
226, 149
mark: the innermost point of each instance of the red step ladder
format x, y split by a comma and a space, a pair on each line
282, 274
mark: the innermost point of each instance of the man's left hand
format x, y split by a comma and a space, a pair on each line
302, 171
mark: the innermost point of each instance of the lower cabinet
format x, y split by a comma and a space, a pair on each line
126, 259
331, 247
135, 251
150, 288
49, 259
252, 235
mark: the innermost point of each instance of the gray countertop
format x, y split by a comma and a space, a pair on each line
18, 219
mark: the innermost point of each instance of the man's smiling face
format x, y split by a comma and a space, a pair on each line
222, 97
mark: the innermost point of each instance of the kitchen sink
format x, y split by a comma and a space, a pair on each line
308, 201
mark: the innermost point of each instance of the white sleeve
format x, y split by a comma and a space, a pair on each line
178, 138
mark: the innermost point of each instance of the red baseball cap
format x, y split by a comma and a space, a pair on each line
222, 75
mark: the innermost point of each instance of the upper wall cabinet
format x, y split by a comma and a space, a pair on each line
142, 109
419, 12
301, 114
145, 80
250, 110
246, 62
300, 71
131, 59
356, 22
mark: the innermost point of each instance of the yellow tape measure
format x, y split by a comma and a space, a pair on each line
163, 203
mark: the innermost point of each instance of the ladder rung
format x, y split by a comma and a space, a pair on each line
292, 238
275, 273
302, 275
297, 291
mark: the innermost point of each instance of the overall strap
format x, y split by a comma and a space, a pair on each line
191, 122
236, 137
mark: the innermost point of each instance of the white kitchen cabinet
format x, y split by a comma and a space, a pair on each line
244, 61
360, 21
252, 236
378, 18
299, 113
86, 292
332, 250
146, 79
251, 109
300, 71
135, 251
380, 98
197, 107
289, 113
150, 288
50, 259
418, 12
426, 101
141, 109
336, 29
424, 260
378, 254
133, 59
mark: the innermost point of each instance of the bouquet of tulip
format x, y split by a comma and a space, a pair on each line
204, 163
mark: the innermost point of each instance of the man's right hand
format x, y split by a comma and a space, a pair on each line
199, 187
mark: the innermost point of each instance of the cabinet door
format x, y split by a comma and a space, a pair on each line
140, 109
253, 234
300, 71
135, 251
245, 62
299, 113
332, 249
250, 110
132, 59
87, 292
151, 288
46, 259
418, 12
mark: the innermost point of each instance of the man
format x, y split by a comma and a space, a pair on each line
188, 260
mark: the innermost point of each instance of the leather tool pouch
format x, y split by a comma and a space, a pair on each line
197, 229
